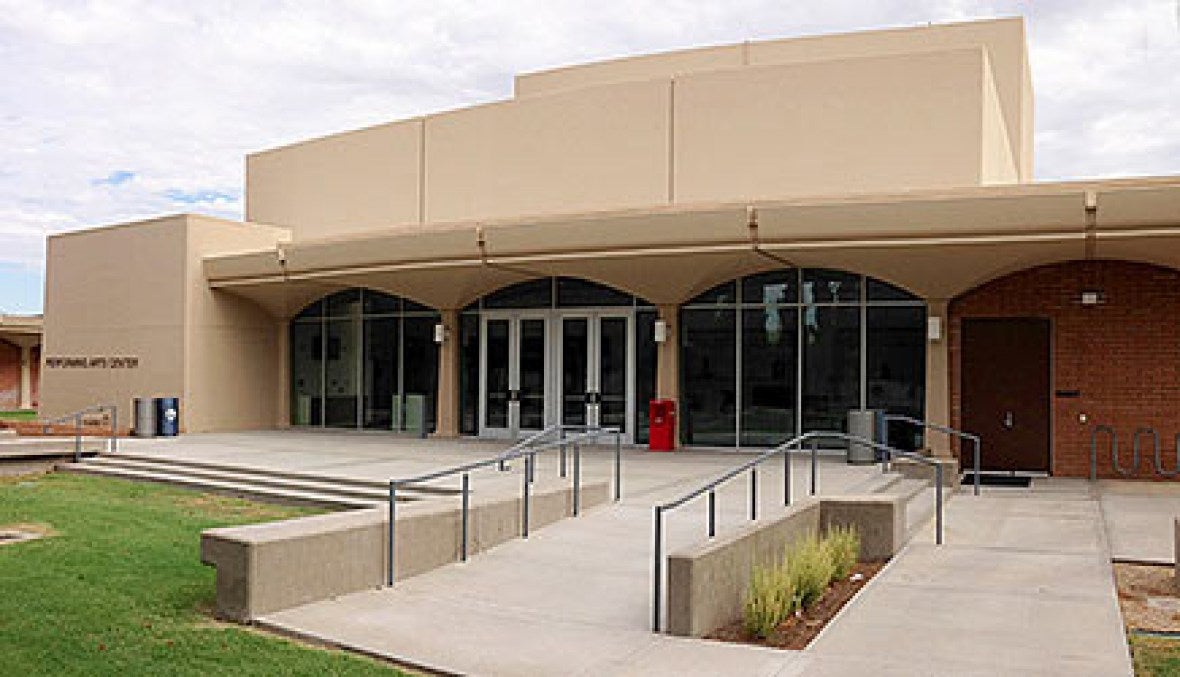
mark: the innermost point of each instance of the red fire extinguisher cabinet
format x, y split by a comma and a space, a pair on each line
662, 431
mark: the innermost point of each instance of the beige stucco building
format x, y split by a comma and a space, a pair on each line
769, 233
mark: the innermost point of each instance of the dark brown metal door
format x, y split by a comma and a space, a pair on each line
1005, 386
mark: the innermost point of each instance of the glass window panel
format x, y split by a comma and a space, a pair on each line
344, 303
769, 368
307, 364
420, 381
469, 374
498, 351
830, 286
722, 294
532, 374
612, 379
646, 350
575, 293
378, 303
315, 310
340, 373
575, 346
774, 288
380, 372
415, 307
896, 362
831, 366
530, 294
877, 290
709, 378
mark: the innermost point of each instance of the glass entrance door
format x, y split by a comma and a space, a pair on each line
515, 373
597, 385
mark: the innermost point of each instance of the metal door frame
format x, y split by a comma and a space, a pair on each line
514, 319
593, 317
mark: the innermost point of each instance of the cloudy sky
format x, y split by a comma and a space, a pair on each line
121, 109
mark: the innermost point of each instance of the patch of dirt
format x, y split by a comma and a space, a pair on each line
1148, 596
797, 631
24, 531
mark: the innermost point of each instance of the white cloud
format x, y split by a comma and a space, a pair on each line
177, 92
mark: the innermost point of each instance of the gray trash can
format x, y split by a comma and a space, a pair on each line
863, 423
145, 417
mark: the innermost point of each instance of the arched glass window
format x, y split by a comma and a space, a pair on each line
767, 355
364, 359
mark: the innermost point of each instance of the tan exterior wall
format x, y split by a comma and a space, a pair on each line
599, 148
360, 180
115, 291
831, 127
1004, 39
233, 366
138, 290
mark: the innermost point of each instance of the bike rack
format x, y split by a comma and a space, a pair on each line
1136, 452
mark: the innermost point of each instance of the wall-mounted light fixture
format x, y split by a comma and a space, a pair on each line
1091, 297
660, 333
440, 333
934, 328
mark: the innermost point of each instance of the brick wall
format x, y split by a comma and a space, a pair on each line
9, 376
1122, 355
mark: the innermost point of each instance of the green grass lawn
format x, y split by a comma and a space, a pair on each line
119, 587
19, 415
1156, 656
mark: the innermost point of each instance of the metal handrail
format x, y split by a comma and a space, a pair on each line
76, 417
526, 449
752, 466
975, 440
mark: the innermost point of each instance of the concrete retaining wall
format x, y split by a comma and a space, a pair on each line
707, 583
263, 568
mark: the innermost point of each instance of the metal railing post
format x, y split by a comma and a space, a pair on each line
977, 470
618, 465
712, 513
531, 467
392, 521
577, 479
658, 570
938, 503
814, 461
524, 499
466, 489
786, 477
78, 437
561, 453
753, 493
114, 428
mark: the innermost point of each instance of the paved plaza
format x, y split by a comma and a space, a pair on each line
1023, 584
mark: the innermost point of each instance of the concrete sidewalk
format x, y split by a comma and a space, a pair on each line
1023, 587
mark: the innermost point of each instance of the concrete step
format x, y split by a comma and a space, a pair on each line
317, 485
241, 489
920, 508
876, 483
178, 464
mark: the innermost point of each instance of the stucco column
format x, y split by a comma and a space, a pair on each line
938, 396
447, 417
668, 362
26, 377
283, 369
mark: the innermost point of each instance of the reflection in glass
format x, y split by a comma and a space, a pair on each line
646, 350
831, 366
340, 373
573, 292
529, 294
380, 389
575, 349
307, 365
532, 374
896, 362
496, 414
420, 382
773, 288
468, 374
708, 362
821, 285
769, 367
612, 362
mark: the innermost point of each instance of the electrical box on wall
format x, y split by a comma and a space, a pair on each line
934, 328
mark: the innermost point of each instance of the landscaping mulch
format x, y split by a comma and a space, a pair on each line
798, 631
1147, 597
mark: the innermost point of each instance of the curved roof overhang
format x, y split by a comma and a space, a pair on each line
937, 244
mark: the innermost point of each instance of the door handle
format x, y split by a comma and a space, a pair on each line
1009, 420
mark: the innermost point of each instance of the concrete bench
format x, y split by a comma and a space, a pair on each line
263, 568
